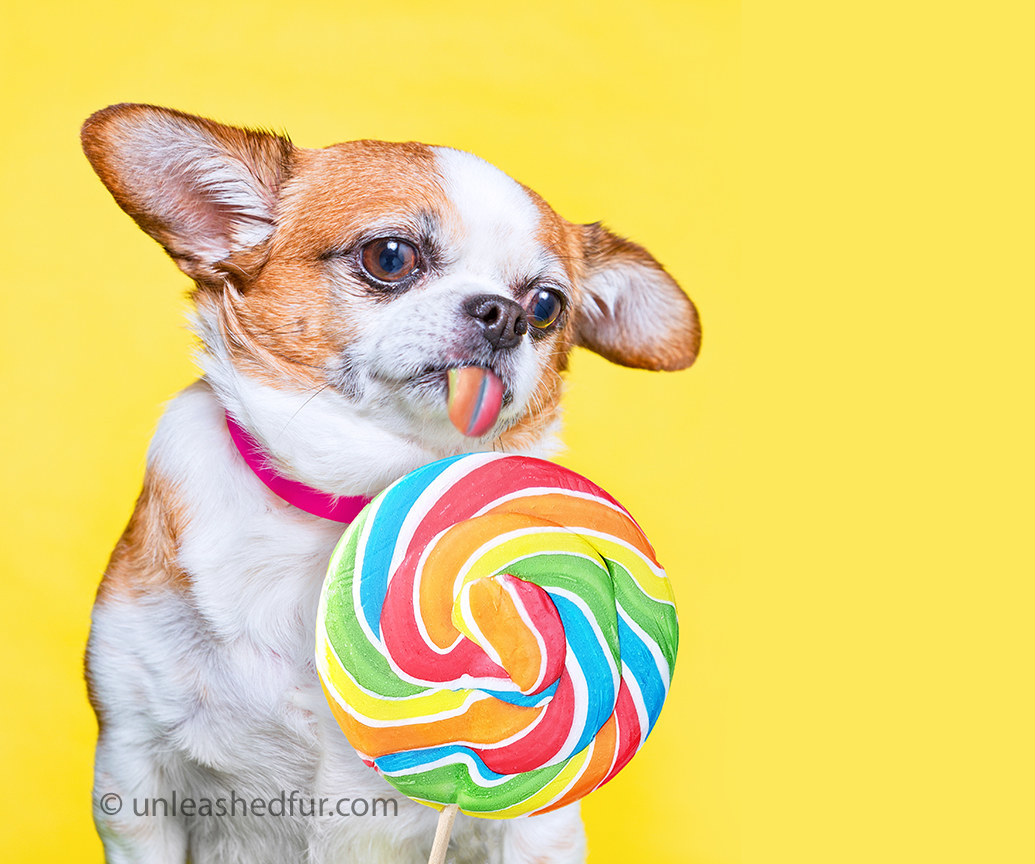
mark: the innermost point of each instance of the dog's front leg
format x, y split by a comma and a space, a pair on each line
130, 810
552, 838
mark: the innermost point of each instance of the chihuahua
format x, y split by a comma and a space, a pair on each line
338, 295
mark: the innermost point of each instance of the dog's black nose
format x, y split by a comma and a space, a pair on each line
503, 321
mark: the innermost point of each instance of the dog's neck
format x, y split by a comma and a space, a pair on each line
319, 439
342, 509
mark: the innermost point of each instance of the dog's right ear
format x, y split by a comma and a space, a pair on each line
203, 190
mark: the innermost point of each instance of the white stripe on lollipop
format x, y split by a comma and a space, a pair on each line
578, 531
473, 770
637, 698
656, 569
575, 779
468, 618
471, 697
428, 500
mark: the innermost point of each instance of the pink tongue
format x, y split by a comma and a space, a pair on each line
475, 399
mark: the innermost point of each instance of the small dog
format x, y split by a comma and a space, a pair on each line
335, 291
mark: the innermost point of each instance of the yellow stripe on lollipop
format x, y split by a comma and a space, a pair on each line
526, 543
372, 706
422, 720
643, 572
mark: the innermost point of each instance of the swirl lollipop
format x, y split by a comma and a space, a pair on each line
495, 633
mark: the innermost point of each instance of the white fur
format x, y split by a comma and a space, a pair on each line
636, 295
497, 222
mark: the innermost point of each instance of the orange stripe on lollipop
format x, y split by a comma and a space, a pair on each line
445, 561
497, 618
486, 722
571, 512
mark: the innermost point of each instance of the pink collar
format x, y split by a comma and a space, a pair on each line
338, 509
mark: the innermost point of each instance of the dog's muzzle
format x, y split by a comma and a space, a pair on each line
503, 322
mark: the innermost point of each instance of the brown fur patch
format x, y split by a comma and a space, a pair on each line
145, 558
288, 321
563, 237
340, 189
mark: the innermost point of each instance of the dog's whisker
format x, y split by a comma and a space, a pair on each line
318, 390
286, 330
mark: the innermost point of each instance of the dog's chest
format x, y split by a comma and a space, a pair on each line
207, 685
254, 685
234, 669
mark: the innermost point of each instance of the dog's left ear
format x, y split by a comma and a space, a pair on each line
633, 312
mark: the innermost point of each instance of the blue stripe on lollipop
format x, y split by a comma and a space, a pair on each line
639, 665
383, 533
596, 664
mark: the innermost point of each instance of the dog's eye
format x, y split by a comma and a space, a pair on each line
544, 307
389, 259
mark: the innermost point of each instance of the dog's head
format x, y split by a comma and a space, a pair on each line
366, 271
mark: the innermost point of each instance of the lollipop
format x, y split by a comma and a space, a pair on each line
495, 633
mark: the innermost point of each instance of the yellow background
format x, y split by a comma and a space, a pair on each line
841, 488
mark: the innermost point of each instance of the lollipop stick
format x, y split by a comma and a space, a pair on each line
442, 832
